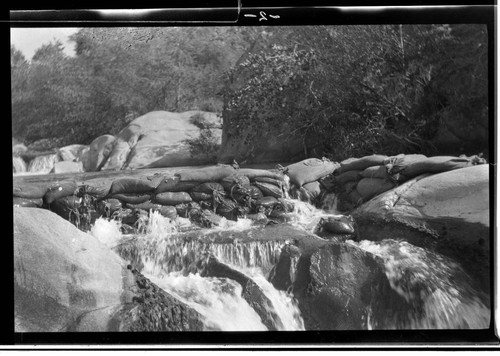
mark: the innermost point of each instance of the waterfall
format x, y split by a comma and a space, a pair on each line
437, 292
165, 256
18, 165
43, 164
434, 284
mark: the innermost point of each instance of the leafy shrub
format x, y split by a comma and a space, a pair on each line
206, 144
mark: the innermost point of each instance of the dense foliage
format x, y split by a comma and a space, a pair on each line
342, 90
117, 75
355, 90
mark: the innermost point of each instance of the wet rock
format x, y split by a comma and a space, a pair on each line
336, 225
341, 287
19, 165
448, 212
251, 292
149, 308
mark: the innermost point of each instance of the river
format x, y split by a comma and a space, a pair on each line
436, 288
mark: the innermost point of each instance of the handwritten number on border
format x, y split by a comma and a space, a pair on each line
263, 16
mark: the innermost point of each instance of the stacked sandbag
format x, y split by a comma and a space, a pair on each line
29, 191
404, 167
358, 180
305, 176
222, 189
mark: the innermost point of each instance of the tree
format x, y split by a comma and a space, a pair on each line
354, 90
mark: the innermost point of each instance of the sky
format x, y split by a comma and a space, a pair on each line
28, 40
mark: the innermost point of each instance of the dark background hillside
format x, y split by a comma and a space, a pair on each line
283, 92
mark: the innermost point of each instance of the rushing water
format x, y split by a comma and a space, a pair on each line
43, 164
18, 165
435, 285
218, 300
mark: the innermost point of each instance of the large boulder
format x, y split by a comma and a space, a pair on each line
449, 212
67, 167
60, 272
156, 139
73, 152
339, 287
117, 157
99, 151
67, 280
18, 148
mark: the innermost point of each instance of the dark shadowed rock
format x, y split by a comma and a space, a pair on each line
150, 308
346, 289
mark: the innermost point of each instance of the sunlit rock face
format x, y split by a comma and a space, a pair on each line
157, 140
68, 280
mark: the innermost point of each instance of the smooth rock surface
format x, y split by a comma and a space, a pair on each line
59, 272
156, 140
99, 151
72, 152
67, 280
67, 167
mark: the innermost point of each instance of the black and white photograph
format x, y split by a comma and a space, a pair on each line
266, 181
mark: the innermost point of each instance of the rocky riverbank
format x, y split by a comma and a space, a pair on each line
338, 285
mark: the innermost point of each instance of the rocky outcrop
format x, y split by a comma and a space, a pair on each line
339, 287
251, 292
99, 151
449, 212
66, 280
73, 153
156, 140
149, 308
60, 273
67, 167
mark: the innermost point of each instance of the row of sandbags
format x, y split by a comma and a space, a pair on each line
305, 177
358, 180
223, 189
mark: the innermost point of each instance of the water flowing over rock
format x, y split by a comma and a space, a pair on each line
447, 211
43, 164
346, 287
414, 257
18, 165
